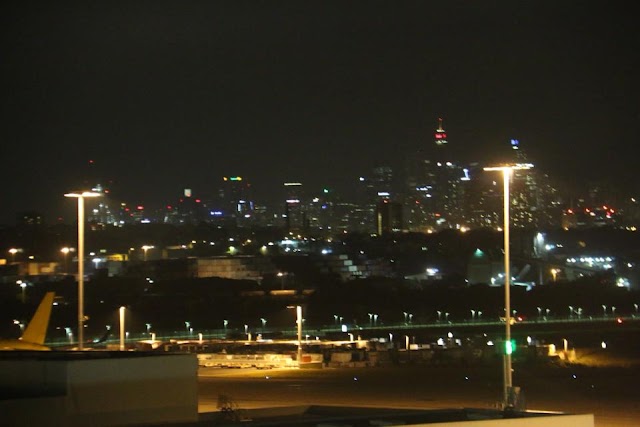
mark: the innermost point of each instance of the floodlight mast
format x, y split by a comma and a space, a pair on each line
507, 171
299, 321
81, 196
299, 328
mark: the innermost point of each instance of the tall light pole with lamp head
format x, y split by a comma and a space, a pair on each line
81, 196
299, 320
13, 252
507, 171
299, 327
23, 287
145, 248
121, 313
65, 252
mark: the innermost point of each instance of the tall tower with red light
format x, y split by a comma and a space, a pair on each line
440, 135
447, 190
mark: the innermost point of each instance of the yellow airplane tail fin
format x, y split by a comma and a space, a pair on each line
36, 330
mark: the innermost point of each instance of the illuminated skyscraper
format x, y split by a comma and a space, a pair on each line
381, 184
294, 208
435, 190
186, 210
388, 217
357, 214
320, 212
534, 200
236, 201
101, 213
379, 188
440, 135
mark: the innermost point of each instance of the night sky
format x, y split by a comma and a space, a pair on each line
168, 95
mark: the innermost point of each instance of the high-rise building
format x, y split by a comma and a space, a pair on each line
381, 183
534, 201
236, 200
388, 217
321, 211
137, 215
295, 215
440, 136
362, 215
356, 213
435, 194
187, 210
524, 192
101, 212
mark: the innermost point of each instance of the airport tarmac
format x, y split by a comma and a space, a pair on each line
609, 393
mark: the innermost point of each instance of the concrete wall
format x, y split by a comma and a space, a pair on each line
98, 391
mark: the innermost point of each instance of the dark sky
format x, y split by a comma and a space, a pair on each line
167, 95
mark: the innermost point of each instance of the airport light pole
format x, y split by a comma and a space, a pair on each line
13, 252
299, 324
65, 252
122, 328
81, 196
299, 320
145, 248
23, 287
507, 171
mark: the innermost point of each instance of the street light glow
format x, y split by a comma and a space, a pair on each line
13, 252
145, 248
516, 166
83, 194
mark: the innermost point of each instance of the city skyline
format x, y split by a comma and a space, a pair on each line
166, 97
